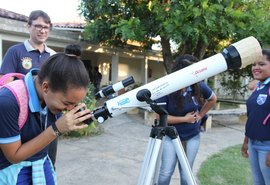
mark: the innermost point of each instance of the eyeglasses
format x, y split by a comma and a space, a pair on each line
39, 27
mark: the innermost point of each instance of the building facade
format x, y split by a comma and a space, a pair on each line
114, 64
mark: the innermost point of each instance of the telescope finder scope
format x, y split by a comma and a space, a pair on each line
110, 89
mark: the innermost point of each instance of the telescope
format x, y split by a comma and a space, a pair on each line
235, 56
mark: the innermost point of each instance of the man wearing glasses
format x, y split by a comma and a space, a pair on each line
22, 57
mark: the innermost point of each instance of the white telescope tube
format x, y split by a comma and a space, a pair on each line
236, 56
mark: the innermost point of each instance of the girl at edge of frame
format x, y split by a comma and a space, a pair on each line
185, 110
256, 145
60, 85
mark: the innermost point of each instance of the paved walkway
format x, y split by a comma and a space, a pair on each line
115, 157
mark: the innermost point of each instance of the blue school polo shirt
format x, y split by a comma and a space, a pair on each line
35, 123
186, 130
22, 57
258, 113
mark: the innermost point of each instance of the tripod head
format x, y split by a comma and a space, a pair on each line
145, 95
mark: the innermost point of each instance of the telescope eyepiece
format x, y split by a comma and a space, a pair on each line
87, 121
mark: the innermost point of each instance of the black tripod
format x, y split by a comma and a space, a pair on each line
150, 167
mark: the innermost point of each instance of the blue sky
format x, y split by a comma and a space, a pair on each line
58, 10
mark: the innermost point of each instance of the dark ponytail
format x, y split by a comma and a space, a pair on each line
73, 49
65, 70
181, 62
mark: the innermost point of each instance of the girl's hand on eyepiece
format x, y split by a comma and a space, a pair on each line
74, 119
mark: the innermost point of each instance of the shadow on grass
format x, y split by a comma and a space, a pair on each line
226, 168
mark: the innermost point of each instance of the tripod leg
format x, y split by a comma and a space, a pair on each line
149, 164
146, 160
183, 161
152, 152
153, 161
157, 169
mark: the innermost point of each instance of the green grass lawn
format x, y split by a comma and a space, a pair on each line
226, 168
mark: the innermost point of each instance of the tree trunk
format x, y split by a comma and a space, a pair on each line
200, 49
167, 54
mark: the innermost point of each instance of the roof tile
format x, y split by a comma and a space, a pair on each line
12, 15
19, 17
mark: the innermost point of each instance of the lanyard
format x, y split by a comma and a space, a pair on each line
42, 113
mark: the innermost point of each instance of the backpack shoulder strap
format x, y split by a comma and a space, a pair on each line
19, 90
4, 78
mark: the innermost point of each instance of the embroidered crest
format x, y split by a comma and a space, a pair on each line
261, 99
27, 62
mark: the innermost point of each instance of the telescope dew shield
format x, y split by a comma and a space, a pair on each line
242, 53
110, 89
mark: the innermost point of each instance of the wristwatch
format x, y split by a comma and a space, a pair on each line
55, 129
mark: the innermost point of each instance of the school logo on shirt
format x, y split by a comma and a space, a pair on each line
261, 99
27, 62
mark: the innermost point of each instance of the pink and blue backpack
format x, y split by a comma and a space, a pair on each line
19, 90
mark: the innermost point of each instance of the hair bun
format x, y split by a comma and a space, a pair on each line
73, 50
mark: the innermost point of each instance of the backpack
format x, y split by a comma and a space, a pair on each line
19, 90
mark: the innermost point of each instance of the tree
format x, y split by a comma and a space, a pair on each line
232, 83
200, 27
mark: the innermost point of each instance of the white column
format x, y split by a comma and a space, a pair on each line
115, 62
145, 80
